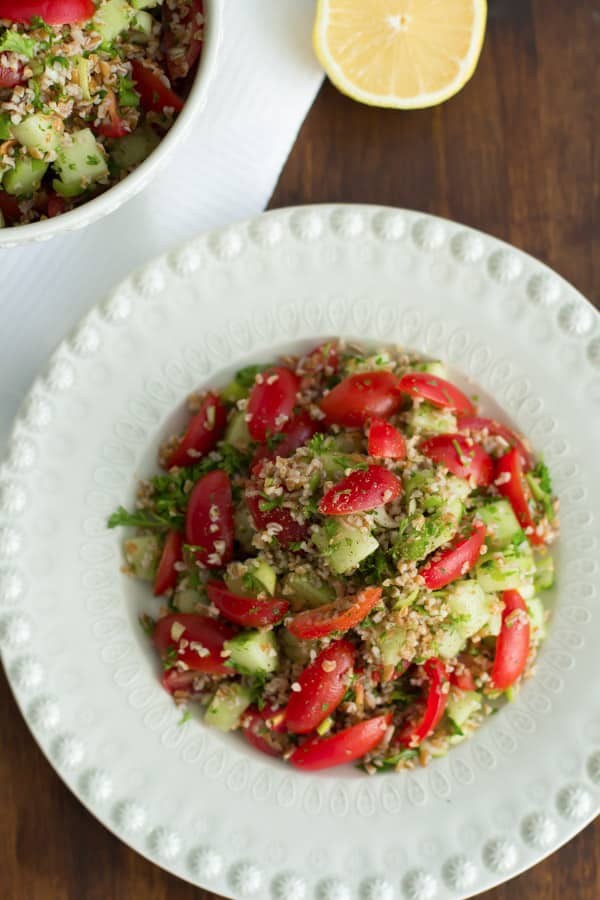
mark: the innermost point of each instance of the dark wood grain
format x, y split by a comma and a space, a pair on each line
517, 154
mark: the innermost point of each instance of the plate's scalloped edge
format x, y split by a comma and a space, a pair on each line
555, 820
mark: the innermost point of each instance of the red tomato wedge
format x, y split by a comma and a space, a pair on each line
436, 391
343, 747
360, 490
9, 206
322, 687
176, 682
510, 482
116, 126
463, 679
290, 531
155, 95
461, 456
472, 424
342, 614
196, 641
9, 77
166, 576
323, 358
437, 698
360, 397
259, 726
385, 440
251, 612
54, 12
56, 205
211, 505
455, 561
271, 401
178, 64
205, 428
512, 644
295, 433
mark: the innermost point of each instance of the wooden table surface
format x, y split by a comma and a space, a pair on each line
517, 154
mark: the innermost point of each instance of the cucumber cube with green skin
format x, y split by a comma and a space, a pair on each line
141, 27
253, 652
392, 643
426, 419
462, 705
142, 555
415, 543
509, 569
258, 578
306, 591
25, 178
134, 148
449, 642
342, 545
501, 523
39, 133
5, 127
79, 162
237, 433
293, 647
543, 579
228, 705
145, 4
336, 463
188, 601
469, 606
112, 18
433, 367
83, 71
233, 392
537, 618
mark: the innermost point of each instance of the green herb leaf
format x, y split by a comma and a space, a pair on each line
15, 42
141, 518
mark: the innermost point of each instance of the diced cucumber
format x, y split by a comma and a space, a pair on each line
237, 433
406, 599
345, 442
306, 591
83, 72
494, 624
469, 606
377, 363
112, 18
141, 26
39, 133
133, 149
419, 481
233, 392
294, 648
5, 127
79, 162
253, 652
142, 555
537, 618
462, 705
449, 642
228, 705
426, 419
506, 570
25, 178
392, 643
501, 523
382, 519
432, 367
243, 526
456, 488
415, 543
145, 4
187, 601
344, 546
335, 464
258, 578
543, 579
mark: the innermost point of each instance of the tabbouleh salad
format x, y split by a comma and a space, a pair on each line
350, 557
87, 91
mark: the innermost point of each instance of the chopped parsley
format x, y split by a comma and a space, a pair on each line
128, 96
140, 518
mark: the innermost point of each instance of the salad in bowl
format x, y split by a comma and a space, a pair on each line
350, 557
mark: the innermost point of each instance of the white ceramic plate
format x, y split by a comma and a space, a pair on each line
204, 805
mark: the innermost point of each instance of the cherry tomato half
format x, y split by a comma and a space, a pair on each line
295, 433
251, 612
360, 397
437, 697
9, 207
472, 424
205, 428
455, 561
343, 747
461, 456
462, 679
54, 12
436, 391
323, 358
509, 480
166, 576
56, 205
342, 614
323, 684
178, 64
385, 440
190, 637
290, 531
10, 76
258, 727
360, 490
512, 644
271, 401
211, 505
155, 95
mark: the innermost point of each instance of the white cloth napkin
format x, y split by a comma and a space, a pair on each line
266, 80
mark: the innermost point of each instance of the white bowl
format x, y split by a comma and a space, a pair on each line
112, 199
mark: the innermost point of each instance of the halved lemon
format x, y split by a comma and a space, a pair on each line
406, 54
